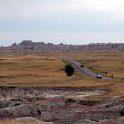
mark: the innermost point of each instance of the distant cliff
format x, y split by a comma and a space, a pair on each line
39, 47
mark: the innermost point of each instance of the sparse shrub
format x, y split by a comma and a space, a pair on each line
112, 76
90, 67
69, 70
106, 72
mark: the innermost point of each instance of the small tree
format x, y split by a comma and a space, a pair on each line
69, 70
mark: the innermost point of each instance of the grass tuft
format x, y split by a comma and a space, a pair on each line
10, 121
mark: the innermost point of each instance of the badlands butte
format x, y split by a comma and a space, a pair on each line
35, 89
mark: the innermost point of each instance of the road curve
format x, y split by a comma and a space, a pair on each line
84, 71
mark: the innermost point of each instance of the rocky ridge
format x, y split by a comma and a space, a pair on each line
27, 46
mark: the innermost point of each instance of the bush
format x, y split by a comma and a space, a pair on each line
69, 70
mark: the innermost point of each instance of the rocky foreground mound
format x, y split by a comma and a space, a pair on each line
59, 109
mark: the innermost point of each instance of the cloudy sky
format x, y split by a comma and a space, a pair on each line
56, 21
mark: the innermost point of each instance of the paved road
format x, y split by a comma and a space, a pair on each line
84, 70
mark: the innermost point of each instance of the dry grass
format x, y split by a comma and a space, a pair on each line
107, 63
9, 121
30, 70
36, 70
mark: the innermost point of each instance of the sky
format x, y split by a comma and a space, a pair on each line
56, 21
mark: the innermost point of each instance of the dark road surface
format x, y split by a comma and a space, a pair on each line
84, 71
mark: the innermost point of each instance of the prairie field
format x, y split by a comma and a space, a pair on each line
47, 70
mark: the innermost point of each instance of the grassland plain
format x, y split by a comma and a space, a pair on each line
47, 70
